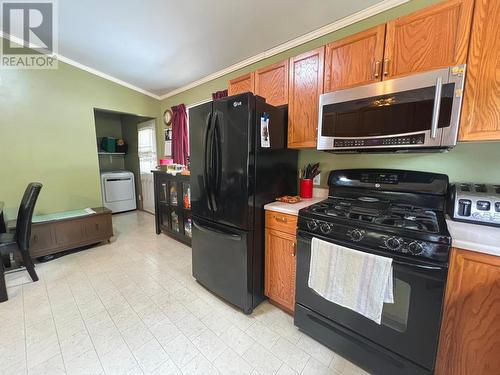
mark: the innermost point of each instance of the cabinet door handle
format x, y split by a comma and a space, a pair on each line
294, 249
281, 219
377, 69
96, 226
387, 62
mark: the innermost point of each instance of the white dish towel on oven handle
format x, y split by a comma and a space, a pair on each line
350, 278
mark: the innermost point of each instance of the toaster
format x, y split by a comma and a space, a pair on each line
474, 203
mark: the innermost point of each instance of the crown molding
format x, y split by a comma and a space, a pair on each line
337, 25
88, 69
327, 29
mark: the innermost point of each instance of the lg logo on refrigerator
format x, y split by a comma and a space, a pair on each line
236, 104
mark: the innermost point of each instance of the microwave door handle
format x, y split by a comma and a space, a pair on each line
437, 106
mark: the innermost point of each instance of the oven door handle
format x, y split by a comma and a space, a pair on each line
308, 238
421, 266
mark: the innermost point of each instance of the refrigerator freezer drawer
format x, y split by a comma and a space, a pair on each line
222, 261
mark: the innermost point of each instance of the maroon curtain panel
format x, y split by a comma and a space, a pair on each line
219, 94
180, 136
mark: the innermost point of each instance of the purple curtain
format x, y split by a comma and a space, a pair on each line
180, 137
219, 94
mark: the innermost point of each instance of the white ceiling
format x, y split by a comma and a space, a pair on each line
161, 45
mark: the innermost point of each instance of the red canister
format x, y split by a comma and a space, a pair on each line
306, 188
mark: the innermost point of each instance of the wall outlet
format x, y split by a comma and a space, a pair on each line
317, 179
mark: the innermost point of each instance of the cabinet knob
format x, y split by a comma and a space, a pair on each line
281, 219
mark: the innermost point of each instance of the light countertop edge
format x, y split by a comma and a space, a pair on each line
291, 209
474, 237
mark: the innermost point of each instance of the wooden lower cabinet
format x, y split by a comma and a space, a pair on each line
470, 333
279, 283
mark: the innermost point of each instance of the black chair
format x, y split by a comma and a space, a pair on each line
20, 239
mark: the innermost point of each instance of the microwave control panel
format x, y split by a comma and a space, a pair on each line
416, 139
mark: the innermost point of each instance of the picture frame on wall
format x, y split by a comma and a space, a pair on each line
168, 134
168, 141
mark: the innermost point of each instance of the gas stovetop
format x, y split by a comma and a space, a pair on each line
373, 210
406, 223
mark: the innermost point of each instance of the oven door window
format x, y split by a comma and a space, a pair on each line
395, 315
390, 114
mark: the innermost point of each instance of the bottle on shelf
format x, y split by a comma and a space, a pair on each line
175, 221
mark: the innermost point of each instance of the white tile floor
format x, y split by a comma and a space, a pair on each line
132, 307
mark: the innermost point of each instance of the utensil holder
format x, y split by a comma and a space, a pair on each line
306, 188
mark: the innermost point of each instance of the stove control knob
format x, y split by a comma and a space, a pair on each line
415, 248
312, 225
357, 235
393, 243
325, 228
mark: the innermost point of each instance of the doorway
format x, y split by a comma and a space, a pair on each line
146, 135
121, 132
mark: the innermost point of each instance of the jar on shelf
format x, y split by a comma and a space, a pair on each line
175, 221
173, 194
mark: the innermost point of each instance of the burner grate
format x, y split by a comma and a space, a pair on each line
396, 215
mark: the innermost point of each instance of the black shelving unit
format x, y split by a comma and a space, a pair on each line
173, 206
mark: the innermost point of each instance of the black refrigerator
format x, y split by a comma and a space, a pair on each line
238, 164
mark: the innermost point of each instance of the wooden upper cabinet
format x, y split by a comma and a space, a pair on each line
306, 85
432, 38
355, 60
470, 333
241, 84
271, 82
481, 107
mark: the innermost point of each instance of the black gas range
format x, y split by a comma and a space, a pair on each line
392, 213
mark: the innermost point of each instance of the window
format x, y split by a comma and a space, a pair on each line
146, 147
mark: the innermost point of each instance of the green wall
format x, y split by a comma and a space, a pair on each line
47, 130
47, 134
471, 161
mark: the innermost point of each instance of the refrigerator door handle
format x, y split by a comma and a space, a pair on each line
213, 161
207, 161
222, 233
218, 157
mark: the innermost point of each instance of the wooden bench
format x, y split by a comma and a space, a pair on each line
51, 234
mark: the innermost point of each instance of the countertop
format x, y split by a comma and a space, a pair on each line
475, 237
291, 209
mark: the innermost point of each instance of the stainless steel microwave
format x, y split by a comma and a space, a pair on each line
415, 113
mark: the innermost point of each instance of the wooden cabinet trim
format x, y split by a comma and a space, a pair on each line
371, 72
277, 93
460, 38
241, 84
306, 112
480, 118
